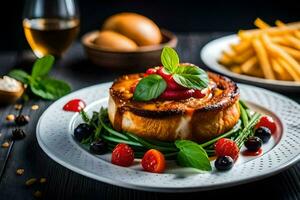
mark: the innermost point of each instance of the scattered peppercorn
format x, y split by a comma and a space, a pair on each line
34, 107
18, 134
30, 181
18, 106
37, 194
5, 145
43, 180
10, 117
22, 120
20, 172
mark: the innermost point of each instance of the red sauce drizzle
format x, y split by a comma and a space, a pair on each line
75, 105
252, 153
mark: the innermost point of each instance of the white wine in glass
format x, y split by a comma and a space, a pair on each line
50, 27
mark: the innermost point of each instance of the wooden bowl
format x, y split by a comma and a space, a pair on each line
10, 97
141, 58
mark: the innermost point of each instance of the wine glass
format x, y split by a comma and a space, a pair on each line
50, 26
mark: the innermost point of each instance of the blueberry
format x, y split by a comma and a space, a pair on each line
82, 131
224, 163
18, 134
98, 147
263, 133
22, 120
253, 143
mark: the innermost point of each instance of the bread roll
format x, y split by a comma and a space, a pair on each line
138, 28
113, 41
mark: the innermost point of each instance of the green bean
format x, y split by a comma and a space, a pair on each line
151, 146
227, 134
113, 139
244, 115
243, 104
160, 143
112, 131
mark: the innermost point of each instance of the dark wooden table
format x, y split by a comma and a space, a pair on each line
65, 184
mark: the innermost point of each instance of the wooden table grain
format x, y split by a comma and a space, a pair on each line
65, 184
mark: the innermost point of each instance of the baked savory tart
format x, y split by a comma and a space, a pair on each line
179, 112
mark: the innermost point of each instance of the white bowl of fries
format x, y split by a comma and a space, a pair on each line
268, 57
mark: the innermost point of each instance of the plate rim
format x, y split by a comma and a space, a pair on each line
250, 79
124, 184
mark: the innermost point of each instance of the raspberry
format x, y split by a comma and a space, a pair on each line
227, 147
122, 155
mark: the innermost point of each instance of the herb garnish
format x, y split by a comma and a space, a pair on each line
39, 81
190, 77
149, 88
193, 155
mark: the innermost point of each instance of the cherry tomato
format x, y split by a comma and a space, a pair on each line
154, 161
268, 122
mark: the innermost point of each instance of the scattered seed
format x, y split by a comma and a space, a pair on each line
18, 134
43, 180
126, 77
37, 194
34, 107
20, 172
10, 117
5, 145
30, 182
22, 120
18, 106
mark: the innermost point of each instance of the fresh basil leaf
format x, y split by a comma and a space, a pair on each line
50, 89
19, 75
192, 155
169, 59
149, 88
191, 77
42, 66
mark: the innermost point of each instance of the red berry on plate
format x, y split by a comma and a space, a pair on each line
268, 122
122, 155
154, 161
227, 147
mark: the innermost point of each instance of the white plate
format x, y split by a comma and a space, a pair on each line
55, 136
212, 51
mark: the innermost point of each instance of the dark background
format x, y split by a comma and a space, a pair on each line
177, 16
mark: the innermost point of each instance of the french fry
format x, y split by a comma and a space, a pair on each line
241, 58
261, 24
293, 66
263, 58
280, 72
249, 65
281, 41
242, 46
292, 40
225, 60
293, 52
279, 23
297, 34
236, 69
257, 72
272, 31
